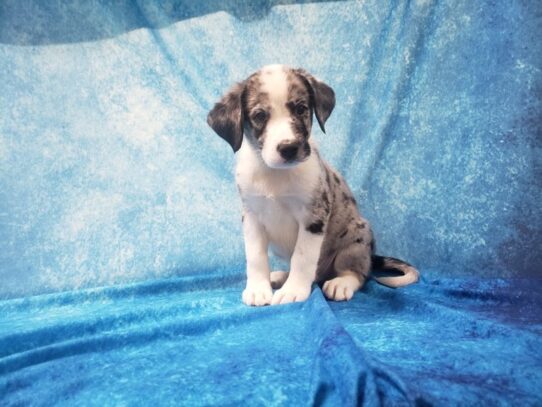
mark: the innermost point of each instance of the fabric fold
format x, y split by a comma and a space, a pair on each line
190, 341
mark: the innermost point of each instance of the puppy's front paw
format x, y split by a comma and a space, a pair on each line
291, 293
258, 294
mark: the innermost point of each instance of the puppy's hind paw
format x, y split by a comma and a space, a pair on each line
257, 294
341, 288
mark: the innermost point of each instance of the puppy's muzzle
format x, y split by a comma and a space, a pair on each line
289, 150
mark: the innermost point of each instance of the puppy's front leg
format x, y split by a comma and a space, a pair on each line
258, 290
302, 268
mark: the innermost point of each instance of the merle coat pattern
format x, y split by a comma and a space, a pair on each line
293, 201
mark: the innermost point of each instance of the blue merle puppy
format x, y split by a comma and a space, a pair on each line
293, 201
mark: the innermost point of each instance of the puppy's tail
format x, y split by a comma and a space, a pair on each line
393, 272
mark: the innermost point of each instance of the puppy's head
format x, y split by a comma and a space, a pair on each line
273, 109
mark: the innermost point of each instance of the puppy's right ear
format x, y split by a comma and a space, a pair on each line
226, 117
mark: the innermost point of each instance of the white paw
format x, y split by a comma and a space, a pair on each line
257, 294
291, 293
341, 288
278, 278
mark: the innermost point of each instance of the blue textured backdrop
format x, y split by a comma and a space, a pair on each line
109, 175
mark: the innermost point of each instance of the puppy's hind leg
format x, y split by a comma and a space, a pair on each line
278, 278
352, 266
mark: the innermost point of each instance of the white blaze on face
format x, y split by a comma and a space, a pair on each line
274, 82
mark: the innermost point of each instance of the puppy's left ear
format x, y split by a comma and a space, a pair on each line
226, 117
322, 95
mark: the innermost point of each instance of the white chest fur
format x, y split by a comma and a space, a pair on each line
279, 198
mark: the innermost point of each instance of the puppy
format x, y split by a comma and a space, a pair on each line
293, 201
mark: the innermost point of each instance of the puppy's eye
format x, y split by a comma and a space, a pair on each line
300, 110
259, 117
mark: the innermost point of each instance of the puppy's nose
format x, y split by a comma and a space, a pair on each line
288, 150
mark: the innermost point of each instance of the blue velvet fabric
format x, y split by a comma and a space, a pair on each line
190, 341
110, 176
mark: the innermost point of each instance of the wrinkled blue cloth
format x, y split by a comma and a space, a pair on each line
182, 342
190, 341
110, 176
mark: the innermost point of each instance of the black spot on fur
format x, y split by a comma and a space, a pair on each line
346, 198
336, 178
353, 200
325, 203
327, 177
343, 234
316, 227
300, 129
361, 225
306, 149
360, 240
325, 198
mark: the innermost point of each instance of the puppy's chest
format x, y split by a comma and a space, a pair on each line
279, 211
276, 194
275, 201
